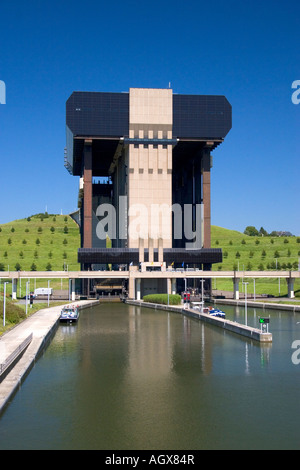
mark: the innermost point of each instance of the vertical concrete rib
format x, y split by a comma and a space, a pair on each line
88, 194
206, 197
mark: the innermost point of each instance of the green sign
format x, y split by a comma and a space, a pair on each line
264, 320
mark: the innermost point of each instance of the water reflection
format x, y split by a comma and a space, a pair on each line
128, 377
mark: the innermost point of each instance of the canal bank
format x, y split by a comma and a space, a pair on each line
20, 347
238, 328
259, 304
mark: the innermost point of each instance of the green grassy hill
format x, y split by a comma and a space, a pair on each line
244, 253
40, 242
255, 253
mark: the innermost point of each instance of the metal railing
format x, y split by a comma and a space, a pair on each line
14, 355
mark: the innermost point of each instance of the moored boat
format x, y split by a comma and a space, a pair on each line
69, 314
214, 312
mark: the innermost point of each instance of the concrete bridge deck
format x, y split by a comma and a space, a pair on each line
168, 274
134, 276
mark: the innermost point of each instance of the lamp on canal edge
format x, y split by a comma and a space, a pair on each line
48, 291
4, 302
245, 284
28, 282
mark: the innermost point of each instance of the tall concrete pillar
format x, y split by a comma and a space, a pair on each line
160, 250
169, 286
73, 290
290, 282
14, 289
88, 194
138, 289
236, 292
131, 287
206, 197
173, 286
141, 250
151, 250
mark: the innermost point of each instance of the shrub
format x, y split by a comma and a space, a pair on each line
174, 299
33, 267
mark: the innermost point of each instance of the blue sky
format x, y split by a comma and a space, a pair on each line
246, 50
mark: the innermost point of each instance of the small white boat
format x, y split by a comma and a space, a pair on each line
214, 312
69, 314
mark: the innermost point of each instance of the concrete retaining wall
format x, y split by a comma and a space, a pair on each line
234, 327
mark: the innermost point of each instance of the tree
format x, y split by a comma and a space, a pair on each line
48, 267
251, 231
2, 267
237, 255
52, 229
33, 267
263, 232
66, 229
17, 267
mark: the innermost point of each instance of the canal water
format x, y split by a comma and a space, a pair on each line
127, 377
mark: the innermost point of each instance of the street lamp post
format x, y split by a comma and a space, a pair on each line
48, 291
4, 302
245, 283
26, 301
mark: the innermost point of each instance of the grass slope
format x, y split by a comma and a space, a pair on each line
48, 243
242, 252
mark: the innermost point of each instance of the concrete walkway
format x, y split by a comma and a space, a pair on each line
41, 324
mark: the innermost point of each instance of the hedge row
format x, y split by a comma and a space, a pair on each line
174, 299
